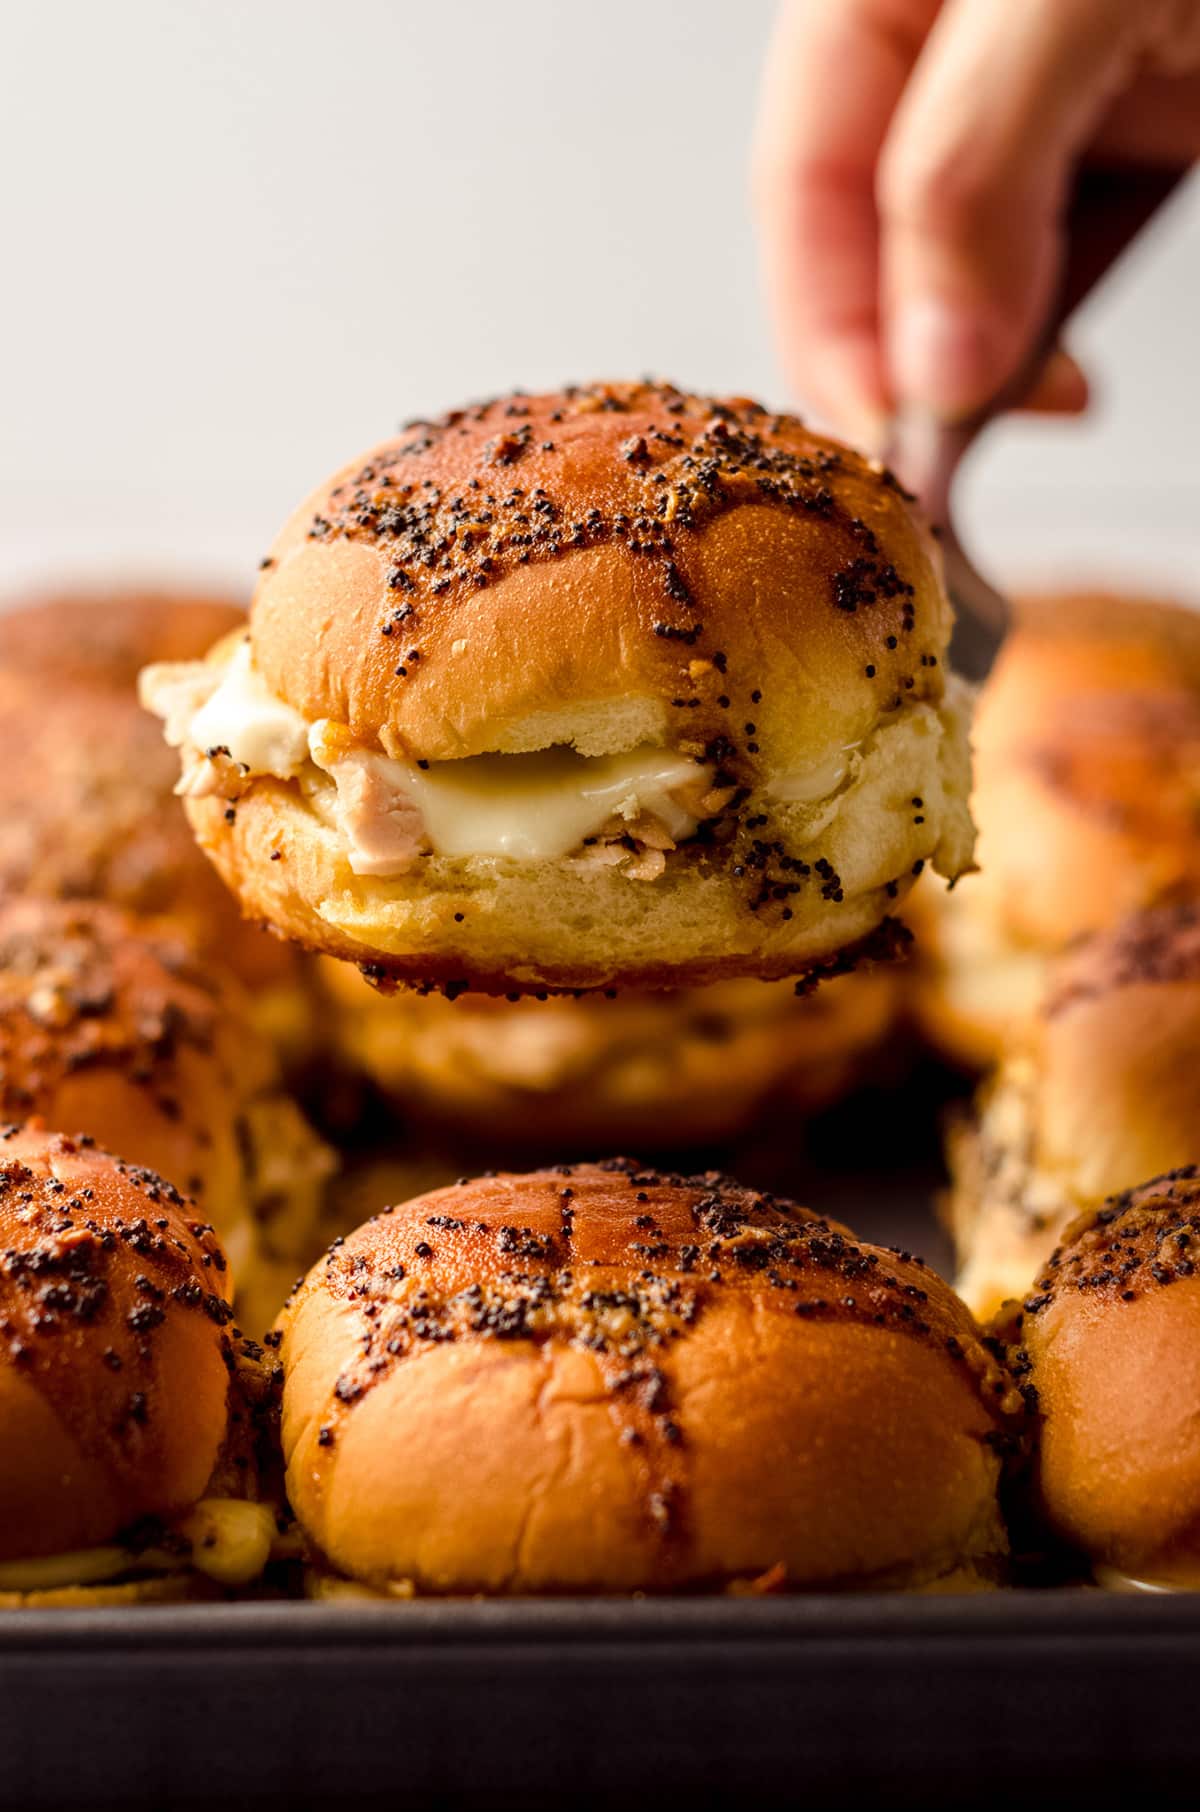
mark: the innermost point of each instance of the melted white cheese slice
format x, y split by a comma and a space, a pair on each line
537, 807
542, 806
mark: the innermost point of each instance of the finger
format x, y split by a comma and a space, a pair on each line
972, 183
834, 72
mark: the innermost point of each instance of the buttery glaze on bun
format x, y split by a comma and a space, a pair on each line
1103, 1089
669, 1070
1110, 1340
114, 1347
104, 636
115, 1027
1087, 798
601, 1379
613, 685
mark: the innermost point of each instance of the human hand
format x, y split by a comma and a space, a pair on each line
913, 165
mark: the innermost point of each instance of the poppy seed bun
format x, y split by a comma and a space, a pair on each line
663, 1070
105, 636
113, 1355
1110, 1340
1102, 1090
114, 1027
614, 573
1087, 797
600, 1379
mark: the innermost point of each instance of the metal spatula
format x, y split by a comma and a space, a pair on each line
1109, 208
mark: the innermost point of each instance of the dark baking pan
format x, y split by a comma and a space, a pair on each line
1065, 1697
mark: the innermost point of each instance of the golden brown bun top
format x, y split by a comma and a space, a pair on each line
1141, 1240
619, 1259
106, 636
88, 808
471, 584
1117, 1089
1111, 1344
1087, 765
601, 1377
113, 1344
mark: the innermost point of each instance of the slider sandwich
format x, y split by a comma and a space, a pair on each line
1109, 1338
598, 1378
116, 1028
1087, 798
86, 785
613, 685
128, 1447
667, 1070
1101, 1091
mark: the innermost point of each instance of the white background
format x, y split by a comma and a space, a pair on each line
244, 238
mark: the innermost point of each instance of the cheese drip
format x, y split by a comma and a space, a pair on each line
231, 709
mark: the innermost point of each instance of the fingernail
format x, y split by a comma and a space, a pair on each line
867, 431
861, 427
941, 358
